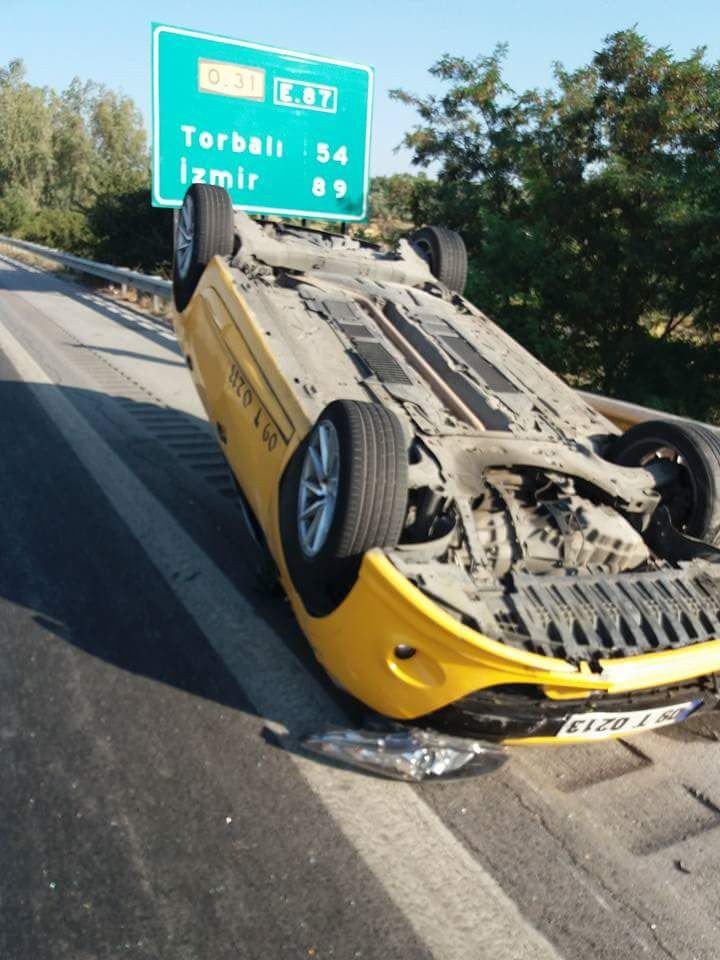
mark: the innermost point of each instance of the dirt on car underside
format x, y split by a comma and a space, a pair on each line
518, 524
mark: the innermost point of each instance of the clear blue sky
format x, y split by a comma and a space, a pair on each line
110, 42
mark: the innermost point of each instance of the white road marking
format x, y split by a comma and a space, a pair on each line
452, 903
143, 359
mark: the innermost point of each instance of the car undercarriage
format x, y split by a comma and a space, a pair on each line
518, 521
401, 452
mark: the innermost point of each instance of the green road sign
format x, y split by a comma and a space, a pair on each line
285, 133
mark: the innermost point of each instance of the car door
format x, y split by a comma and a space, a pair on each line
257, 430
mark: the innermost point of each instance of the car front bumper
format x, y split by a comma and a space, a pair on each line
362, 645
521, 714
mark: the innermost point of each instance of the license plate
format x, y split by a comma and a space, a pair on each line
595, 726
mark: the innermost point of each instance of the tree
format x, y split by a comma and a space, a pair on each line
591, 211
65, 149
392, 199
98, 145
62, 229
74, 172
70, 183
16, 209
119, 141
24, 133
128, 231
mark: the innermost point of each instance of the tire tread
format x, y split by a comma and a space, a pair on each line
214, 236
371, 506
449, 260
700, 447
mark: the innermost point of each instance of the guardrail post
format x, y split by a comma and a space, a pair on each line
124, 290
156, 303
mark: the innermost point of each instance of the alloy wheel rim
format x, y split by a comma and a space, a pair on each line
319, 481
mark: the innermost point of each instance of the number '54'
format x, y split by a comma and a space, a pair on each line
325, 154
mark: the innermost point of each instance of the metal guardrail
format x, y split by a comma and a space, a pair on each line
624, 414
158, 288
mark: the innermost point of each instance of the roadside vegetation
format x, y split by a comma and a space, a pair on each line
74, 173
591, 211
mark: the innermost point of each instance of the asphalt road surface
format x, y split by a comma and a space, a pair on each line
154, 803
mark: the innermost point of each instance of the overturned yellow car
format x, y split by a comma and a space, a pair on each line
464, 541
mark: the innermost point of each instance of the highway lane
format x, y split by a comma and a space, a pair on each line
150, 806
145, 814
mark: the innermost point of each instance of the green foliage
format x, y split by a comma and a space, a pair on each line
119, 142
66, 159
98, 146
62, 229
392, 198
24, 132
130, 232
16, 209
70, 173
678, 375
589, 210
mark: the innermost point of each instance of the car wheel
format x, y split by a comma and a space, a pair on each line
686, 461
345, 491
205, 230
446, 254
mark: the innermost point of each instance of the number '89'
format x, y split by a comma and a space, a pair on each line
320, 187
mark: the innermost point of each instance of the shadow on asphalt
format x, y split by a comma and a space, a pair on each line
113, 352
68, 558
155, 330
705, 726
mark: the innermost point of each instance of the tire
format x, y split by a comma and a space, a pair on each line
205, 230
368, 475
694, 498
445, 253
